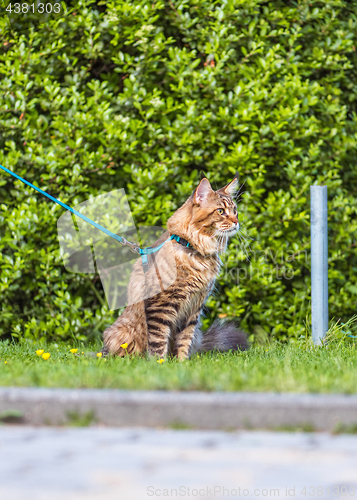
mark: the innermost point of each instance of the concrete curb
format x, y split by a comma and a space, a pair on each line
199, 410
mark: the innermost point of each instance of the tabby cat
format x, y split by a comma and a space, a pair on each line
168, 323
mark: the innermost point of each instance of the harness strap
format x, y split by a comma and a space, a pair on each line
121, 240
182, 241
144, 252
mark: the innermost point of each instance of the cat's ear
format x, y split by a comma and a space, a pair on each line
202, 191
232, 187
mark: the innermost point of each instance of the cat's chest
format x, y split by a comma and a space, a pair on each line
195, 279
197, 270
196, 283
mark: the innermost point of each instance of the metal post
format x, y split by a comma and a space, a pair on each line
319, 282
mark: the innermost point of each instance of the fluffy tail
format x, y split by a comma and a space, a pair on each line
223, 336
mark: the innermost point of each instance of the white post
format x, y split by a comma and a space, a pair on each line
319, 281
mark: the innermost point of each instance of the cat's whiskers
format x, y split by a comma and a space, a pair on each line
220, 242
246, 237
242, 239
216, 233
222, 239
244, 232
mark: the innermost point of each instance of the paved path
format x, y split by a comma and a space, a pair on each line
197, 410
99, 463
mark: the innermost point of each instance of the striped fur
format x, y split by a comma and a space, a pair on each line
168, 323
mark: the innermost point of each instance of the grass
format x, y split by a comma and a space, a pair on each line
297, 367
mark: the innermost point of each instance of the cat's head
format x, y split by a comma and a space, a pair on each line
208, 218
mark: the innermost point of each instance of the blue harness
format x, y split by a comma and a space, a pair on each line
143, 252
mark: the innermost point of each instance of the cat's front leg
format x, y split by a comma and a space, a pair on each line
158, 329
159, 321
185, 337
158, 339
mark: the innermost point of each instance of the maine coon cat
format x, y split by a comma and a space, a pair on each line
168, 323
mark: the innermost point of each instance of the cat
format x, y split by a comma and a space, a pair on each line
168, 323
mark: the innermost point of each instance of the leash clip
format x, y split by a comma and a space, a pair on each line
133, 246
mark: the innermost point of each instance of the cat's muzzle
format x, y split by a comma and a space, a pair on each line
232, 231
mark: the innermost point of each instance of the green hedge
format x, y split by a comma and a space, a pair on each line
147, 95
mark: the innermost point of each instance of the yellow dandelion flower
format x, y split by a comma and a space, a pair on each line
39, 352
5, 362
46, 355
73, 351
124, 346
82, 352
99, 354
160, 361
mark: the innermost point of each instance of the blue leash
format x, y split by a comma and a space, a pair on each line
144, 252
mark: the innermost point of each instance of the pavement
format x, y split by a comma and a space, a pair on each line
195, 410
105, 463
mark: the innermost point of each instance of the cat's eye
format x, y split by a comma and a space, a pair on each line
220, 211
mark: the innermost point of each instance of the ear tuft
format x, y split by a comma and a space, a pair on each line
232, 187
202, 191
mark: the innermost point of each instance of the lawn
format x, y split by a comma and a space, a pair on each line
293, 367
